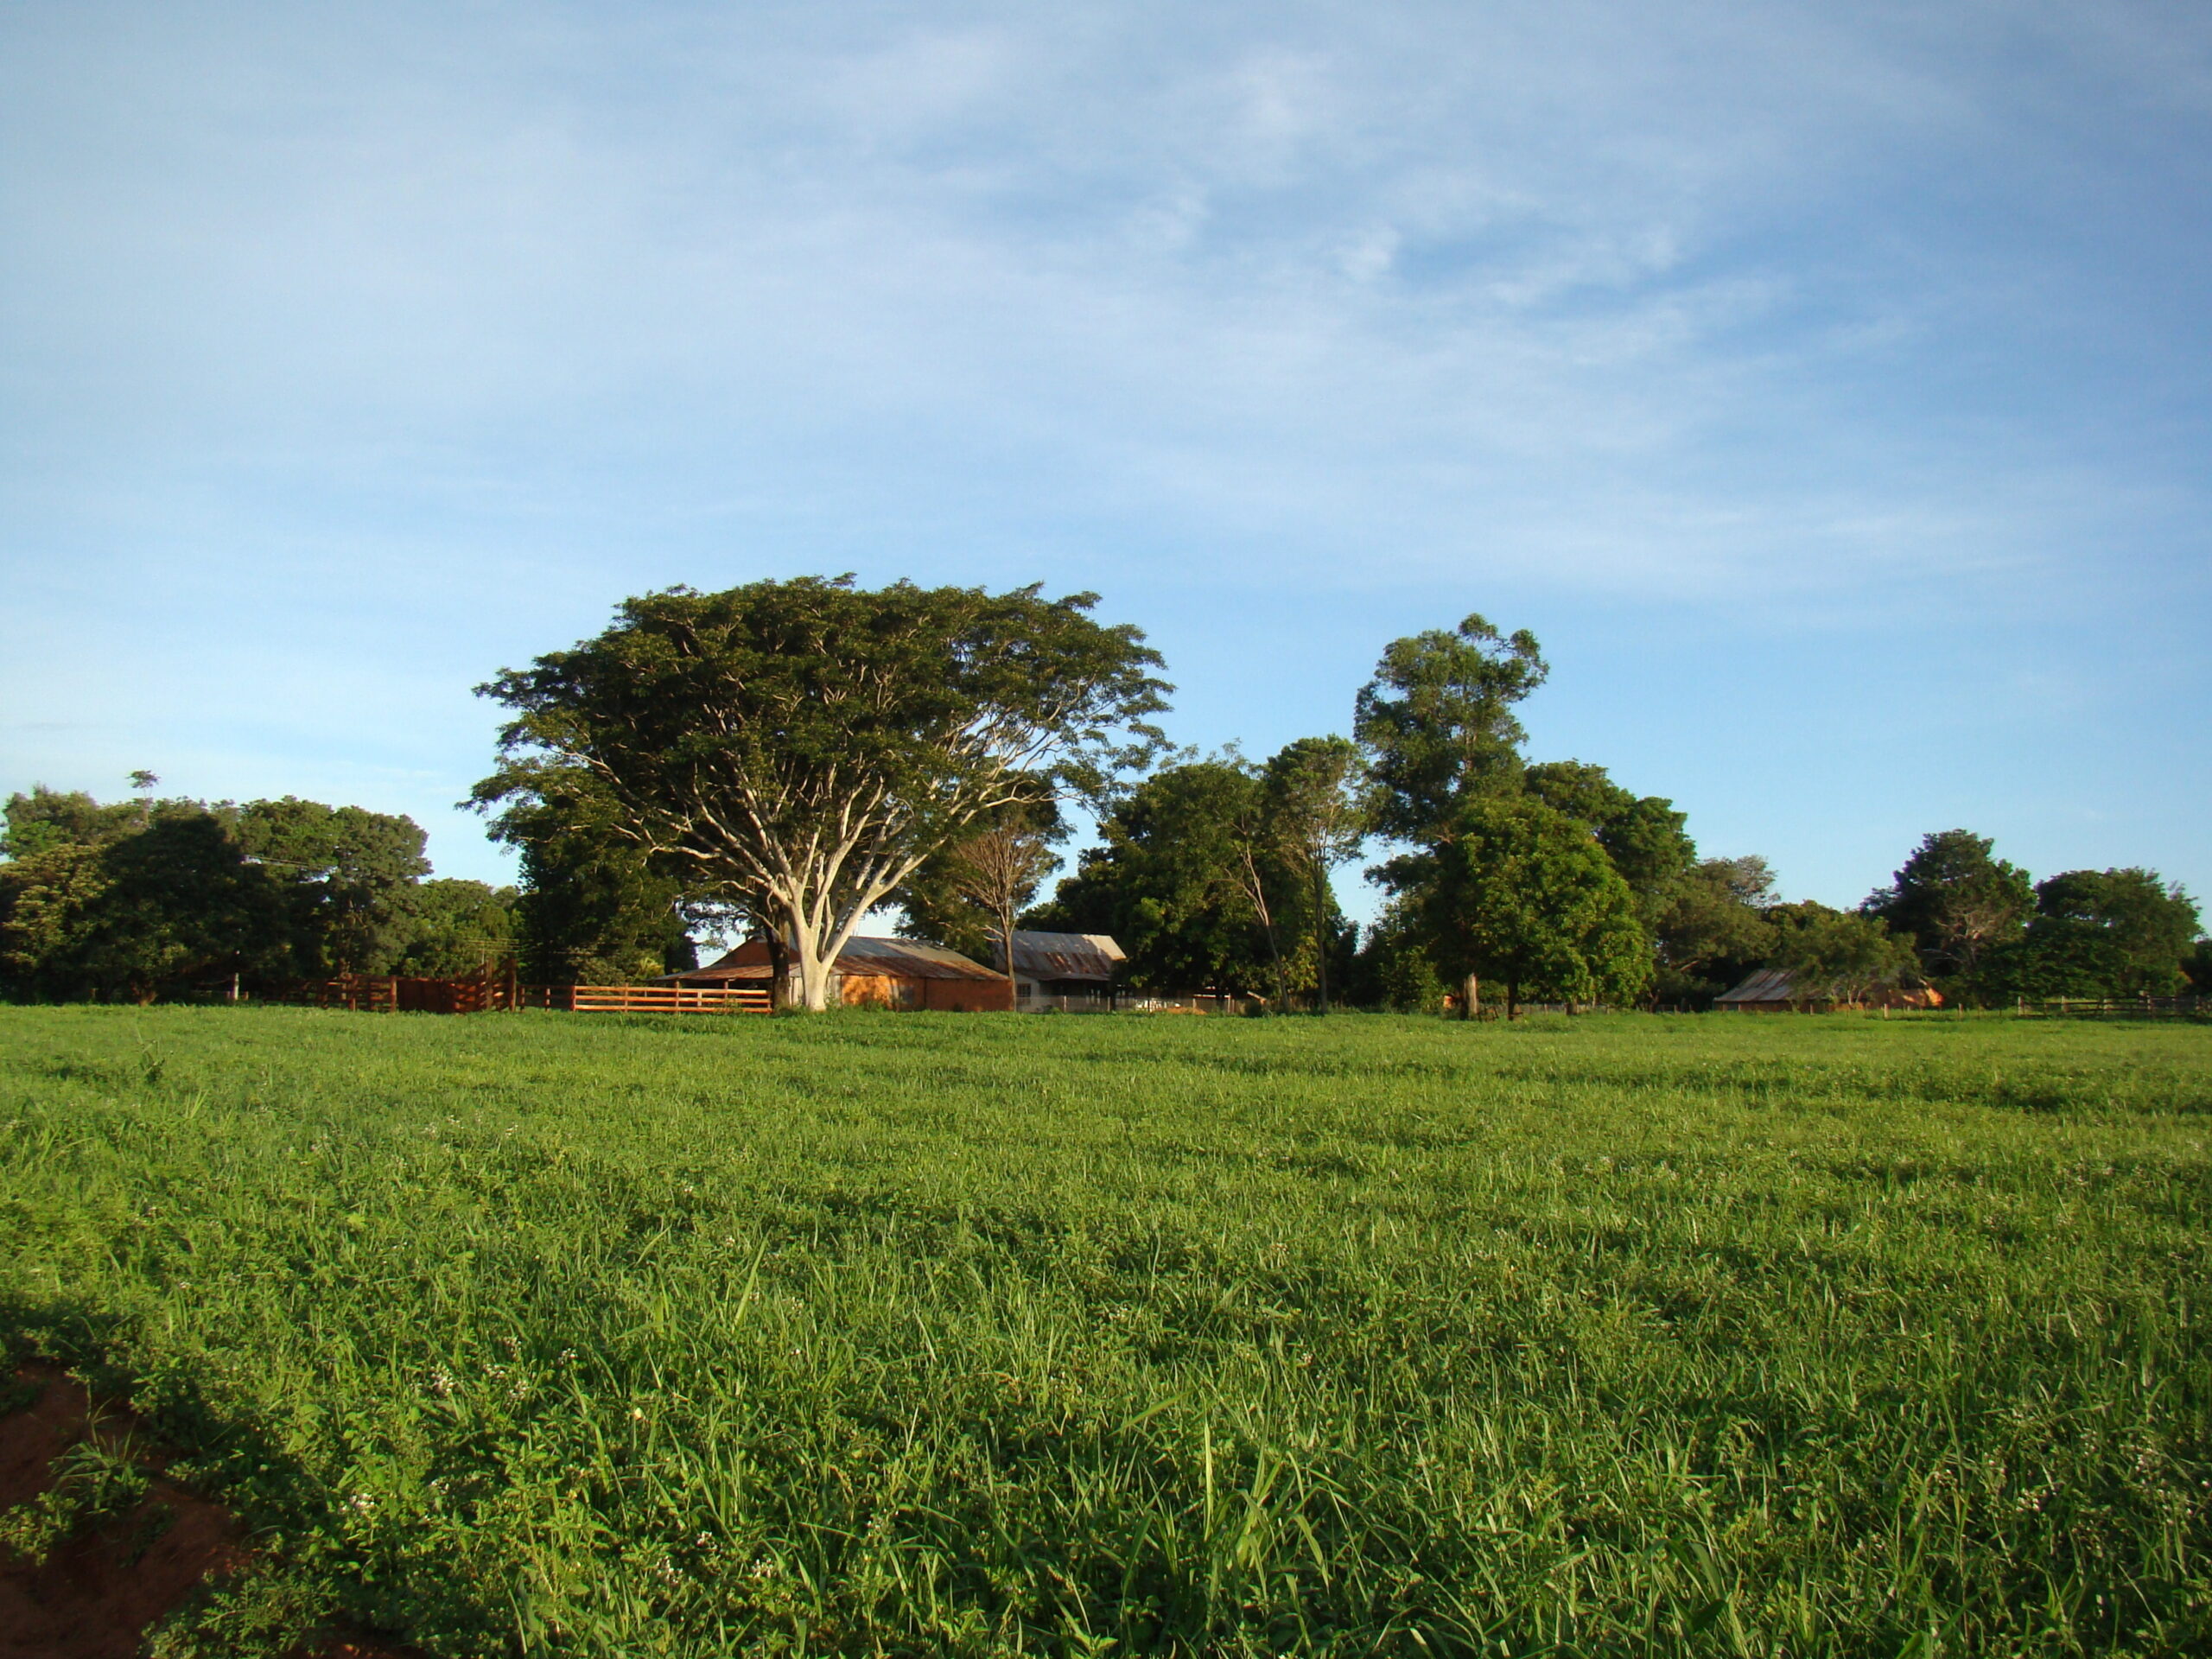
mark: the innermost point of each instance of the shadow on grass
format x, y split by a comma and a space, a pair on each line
138, 1514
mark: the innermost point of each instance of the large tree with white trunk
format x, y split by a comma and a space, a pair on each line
794, 750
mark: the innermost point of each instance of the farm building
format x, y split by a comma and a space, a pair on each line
1063, 970
1770, 991
877, 973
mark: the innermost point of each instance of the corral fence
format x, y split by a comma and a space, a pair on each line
2119, 1008
497, 990
646, 999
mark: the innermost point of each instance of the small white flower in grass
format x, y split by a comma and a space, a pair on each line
361, 1503
442, 1382
636, 1413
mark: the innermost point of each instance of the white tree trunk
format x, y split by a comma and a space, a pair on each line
819, 933
815, 967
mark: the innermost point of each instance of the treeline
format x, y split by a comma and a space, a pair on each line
1548, 881
781, 759
1981, 931
150, 897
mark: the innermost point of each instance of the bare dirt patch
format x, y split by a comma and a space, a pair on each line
130, 1552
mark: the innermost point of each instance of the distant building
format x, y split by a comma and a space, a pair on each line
1770, 991
1075, 972
1063, 970
874, 973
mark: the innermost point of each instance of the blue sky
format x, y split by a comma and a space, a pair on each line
1828, 387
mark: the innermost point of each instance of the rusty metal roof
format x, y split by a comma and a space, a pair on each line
893, 958
909, 959
1768, 985
1066, 956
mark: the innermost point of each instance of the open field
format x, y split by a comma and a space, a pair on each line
639, 1335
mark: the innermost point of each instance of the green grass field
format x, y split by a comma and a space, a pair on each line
549, 1333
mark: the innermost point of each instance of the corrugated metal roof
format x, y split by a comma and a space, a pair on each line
909, 959
1066, 956
896, 958
1768, 985
1773, 985
724, 969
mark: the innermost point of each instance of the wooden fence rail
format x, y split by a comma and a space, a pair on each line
2121, 1008
364, 992
494, 992
654, 999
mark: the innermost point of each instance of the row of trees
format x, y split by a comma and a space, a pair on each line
782, 757
1550, 880
1545, 880
1979, 928
135, 898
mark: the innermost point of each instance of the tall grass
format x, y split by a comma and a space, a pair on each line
914, 1333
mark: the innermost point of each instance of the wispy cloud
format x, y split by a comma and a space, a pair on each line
1805, 316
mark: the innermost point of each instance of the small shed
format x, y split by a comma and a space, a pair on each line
1060, 970
876, 973
1770, 991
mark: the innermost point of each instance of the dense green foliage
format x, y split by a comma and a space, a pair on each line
2102, 933
1834, 956
1438, 724
1986, 935
1205, 876
1713, 929
1517, 891
1551, 878
867, 1333
1955, 901
595, 908
1642, 837
136, 899
460, 927
792, 751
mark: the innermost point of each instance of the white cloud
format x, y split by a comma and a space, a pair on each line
1784, 312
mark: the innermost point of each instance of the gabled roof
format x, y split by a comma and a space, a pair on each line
895, 958
1768, 985
910, 959
1066, 956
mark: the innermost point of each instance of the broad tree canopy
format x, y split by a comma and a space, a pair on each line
1520, 892
2102, 933
1831, 953
1175, 877
1437, 721
796, 748
1955, 899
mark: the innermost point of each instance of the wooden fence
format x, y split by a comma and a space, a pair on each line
647, 999
363, 993
2121, 1007
493, 991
